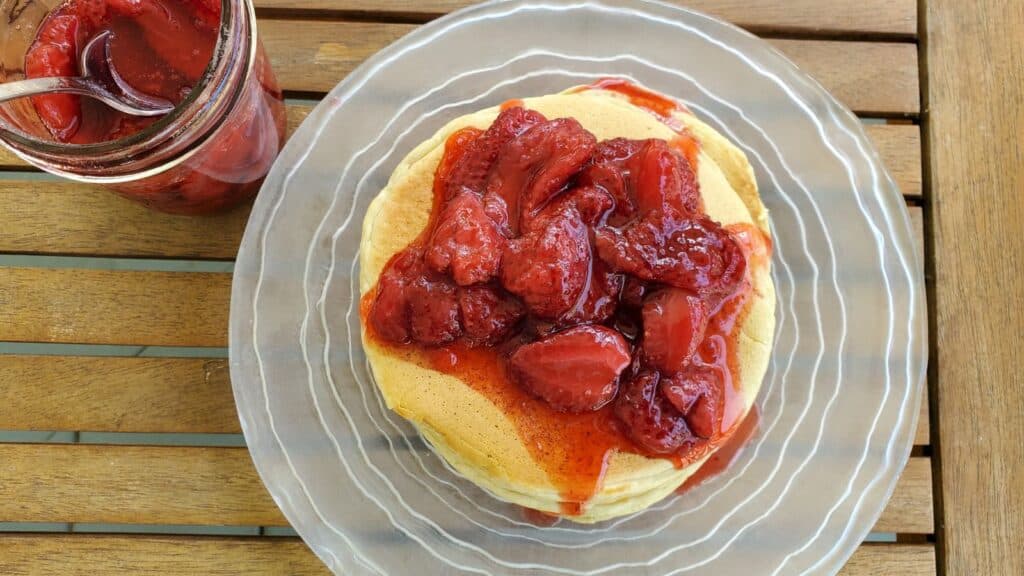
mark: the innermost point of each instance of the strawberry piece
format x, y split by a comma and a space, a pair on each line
415, 303
674, 324
599, 298
609, 172
576, 370
662, 179
433, 310
547, 267
465, 242
642, 176
593, 204
55, 53
533, 168
458, 144
488, 313
695, 254
471, 170
390, 312
650, 420
697, 393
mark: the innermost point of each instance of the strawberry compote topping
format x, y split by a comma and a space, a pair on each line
159, 47
578, 285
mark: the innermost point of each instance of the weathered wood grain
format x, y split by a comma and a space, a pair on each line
114, 307
219, 486
869, 77
837, 17
975, 91
890, 560
133, 485
104, 394
110, 555
908, 511
899, 145
103, 555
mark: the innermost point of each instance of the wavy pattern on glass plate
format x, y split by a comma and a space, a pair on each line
840, 398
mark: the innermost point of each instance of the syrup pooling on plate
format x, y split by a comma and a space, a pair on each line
555, 277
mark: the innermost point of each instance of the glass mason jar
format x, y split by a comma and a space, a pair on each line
210, 153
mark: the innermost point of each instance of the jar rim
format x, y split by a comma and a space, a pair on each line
26, 142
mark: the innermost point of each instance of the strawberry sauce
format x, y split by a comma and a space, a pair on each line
561, 278
160, 48
726, 452
658, 105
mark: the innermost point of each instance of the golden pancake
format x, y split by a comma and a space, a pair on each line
463, 425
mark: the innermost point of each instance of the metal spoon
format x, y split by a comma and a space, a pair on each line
99, 80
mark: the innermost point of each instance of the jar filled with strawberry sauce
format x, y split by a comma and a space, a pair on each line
210, 153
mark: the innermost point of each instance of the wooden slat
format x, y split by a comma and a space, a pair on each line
314, 55
109, 555
869, 77
889, 17
79, 219
131, 484
975, 79
102, 555
899, 145
910, 510
891, 560
102, 394
114, 307
219, 486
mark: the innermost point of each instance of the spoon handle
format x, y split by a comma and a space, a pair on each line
35, 86
70, 85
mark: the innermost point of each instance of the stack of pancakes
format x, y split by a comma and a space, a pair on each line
467, 429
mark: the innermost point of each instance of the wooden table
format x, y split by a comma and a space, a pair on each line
940, 83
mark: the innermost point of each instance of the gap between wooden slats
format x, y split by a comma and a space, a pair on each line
219, 486
107, 555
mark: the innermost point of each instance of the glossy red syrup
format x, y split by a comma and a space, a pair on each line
726, 453
538, 518
411, 313
511, 104
159, 47
658, 105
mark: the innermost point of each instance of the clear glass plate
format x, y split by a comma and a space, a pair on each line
839, 404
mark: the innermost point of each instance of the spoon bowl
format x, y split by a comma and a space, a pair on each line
99, 80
